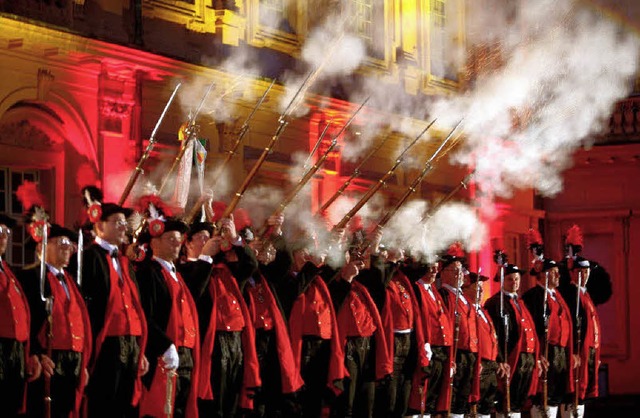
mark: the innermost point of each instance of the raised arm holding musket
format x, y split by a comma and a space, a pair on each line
363, 337
313, 329
228, 374
397, 304
18, 364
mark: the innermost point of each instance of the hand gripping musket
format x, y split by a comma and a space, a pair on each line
152, 141
79, 255
192, 132
48, 306
376, 186
428, 166
463, 184
576, 398
283, 121
456, 336
500, 259
243, 131
355, 174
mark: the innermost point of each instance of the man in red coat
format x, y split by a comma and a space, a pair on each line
521, 342
17, 365
586, 336
485, 383
118, 322
461, 310
61, 334
439, 334
361, 332
557, 316
173, 346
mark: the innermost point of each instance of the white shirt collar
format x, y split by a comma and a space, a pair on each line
167, 265
454, 290
104, 244
509, 294
54, 270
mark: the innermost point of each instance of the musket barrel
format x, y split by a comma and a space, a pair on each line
355, 174
376, 186
152, 140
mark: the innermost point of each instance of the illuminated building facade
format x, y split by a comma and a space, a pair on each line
82, 84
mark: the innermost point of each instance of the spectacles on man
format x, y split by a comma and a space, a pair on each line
5, 231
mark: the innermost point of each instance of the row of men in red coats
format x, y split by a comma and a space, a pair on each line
236, 327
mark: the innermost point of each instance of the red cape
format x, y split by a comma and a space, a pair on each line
290, 375
384, 362
337, 371
251, 369
418, 392
444, 397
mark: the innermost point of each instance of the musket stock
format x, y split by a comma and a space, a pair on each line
152, 141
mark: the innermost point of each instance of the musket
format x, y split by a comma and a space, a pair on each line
474, 407
355, 174
152, 141
301, 183
312, 171
243, 131
456, 337
376, 186
192, 133
500, 260
545, 373
428, 166
79, 255
168, 400
463, 184
48, 306
317, 145
283, 121
576, 399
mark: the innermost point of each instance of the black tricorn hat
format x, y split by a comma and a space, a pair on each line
546, 265
581, 263
196, 227
109, 209
454, 253
508, 269
7, 220
473, 278
56, 230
